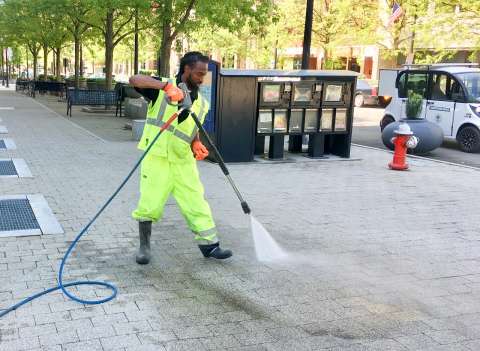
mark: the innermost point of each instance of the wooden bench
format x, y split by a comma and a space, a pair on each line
90, 97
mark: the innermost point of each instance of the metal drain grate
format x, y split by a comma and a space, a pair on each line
7, 168
2, 144
16, 214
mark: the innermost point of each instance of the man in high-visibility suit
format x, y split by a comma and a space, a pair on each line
170, 166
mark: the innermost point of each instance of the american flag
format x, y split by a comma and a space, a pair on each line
397, 12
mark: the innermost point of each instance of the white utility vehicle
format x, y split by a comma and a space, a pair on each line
451, 98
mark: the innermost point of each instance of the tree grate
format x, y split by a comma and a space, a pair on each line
16, 214
7, 168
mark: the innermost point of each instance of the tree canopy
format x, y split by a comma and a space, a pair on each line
258, 32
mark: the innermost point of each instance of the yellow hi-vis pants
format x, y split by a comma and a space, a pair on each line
159, 179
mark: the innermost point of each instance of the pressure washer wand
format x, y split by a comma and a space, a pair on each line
245, 207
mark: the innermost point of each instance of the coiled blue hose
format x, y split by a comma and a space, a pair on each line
112, 287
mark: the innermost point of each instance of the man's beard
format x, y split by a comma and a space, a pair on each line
192, 87
191, 84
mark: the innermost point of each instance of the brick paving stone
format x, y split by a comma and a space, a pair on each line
185, 345
60, 338
150, 347
91, 345
29, 332
121, 341
47, 348
220, 342
417, 342
132, 327
91, 332
445, 337
19, 344
157, 336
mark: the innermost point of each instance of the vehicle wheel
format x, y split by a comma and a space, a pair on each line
359, 100
469, 139
385, 122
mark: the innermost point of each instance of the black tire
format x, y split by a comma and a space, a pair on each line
468, 138
385, 122
359, 100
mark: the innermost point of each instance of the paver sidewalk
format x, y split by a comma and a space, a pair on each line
379, 260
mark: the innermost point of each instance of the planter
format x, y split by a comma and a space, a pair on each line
130, 92
135, 108
137, 128
430, 135
91, 85
101, 86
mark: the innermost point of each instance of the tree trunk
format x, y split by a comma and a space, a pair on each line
165, 49
275, 55
349, 58
45, 62
135, 51
7, 64
3, 66
307, 34
109, 47
35, 65
81, 59
412, 38
54, 63
26, 54
59, 62
326, 57
77, 59
108, 66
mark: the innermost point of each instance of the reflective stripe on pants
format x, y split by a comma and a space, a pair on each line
159, 179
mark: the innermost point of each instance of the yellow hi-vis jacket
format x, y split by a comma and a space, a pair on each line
174, 143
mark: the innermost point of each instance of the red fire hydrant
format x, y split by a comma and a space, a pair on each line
403, 140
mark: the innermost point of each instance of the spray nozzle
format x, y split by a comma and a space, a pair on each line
245, 207
186, 103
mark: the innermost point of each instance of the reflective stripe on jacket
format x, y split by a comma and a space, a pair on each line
174, 143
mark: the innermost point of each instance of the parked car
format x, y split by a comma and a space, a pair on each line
451, 98
365, 94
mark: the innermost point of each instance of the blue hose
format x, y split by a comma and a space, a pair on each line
112, 287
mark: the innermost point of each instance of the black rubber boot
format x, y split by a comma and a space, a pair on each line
145, 230
215, 251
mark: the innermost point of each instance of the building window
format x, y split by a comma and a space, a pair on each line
297, 62
228, 61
